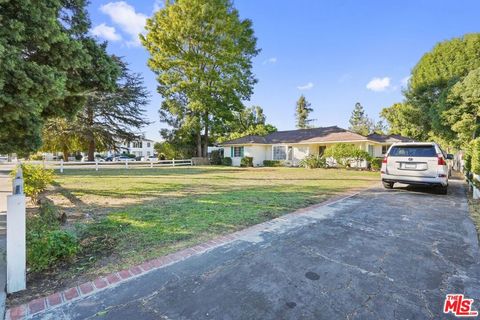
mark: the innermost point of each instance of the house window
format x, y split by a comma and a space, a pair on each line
279, 153
370, 150
137, 144
148, 144
385, 149
237, 152
321, 150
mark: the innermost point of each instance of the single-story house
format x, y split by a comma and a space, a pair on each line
294, 145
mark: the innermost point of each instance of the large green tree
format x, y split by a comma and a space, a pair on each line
463, 113
108, 117
428, 98
250, 121
405, 120
201, 51
302, 113
41, 56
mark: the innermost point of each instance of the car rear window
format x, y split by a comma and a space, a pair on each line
413, 151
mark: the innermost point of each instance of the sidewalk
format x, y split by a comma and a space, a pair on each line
5, 190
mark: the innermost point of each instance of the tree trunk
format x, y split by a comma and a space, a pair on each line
205, 141
65, 154
91, 137
91, 149
199, 143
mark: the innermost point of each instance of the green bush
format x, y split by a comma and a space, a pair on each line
36, 156
345, 153
227, 161
47, 244
475, 155
467, 160
47, 248
36, 179
376, 164
246, 162
272, 163
216, 157
313, 161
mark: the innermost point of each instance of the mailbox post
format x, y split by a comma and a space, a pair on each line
16, 244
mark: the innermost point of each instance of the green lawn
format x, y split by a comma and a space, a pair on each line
125, 216
138, 214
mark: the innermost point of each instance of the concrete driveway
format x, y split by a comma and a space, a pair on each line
378, 255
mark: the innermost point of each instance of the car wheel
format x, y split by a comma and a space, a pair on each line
443, 190
388, 185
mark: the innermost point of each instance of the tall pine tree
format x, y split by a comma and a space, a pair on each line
359, 121
302, 113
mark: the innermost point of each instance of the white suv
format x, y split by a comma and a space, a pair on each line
416, 163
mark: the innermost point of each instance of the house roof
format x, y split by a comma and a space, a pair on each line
313, 135
388, 138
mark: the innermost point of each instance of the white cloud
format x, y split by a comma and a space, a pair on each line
124, 15
379, 84
404, 81
270, 60
106, 32
307, 86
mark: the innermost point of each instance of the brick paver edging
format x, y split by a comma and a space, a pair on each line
67, 296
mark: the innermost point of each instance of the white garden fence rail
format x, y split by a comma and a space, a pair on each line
98, 165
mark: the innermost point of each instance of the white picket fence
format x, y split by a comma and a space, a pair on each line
97, 165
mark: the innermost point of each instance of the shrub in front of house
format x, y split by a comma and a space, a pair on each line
36, 179
227, 161
272, 163
216, 157
246, 162
344, 154
376, 164
313, 161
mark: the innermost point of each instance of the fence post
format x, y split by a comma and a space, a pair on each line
61, 165
16, 254
173, 162
151, 163
96, 165
126, 164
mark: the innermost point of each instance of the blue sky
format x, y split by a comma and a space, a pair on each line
334, 52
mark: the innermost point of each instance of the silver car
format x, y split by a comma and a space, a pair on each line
416, 163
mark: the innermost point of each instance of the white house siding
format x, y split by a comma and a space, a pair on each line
257, 153
300, 151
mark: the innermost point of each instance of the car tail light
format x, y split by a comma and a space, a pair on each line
441, 161
385, 159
